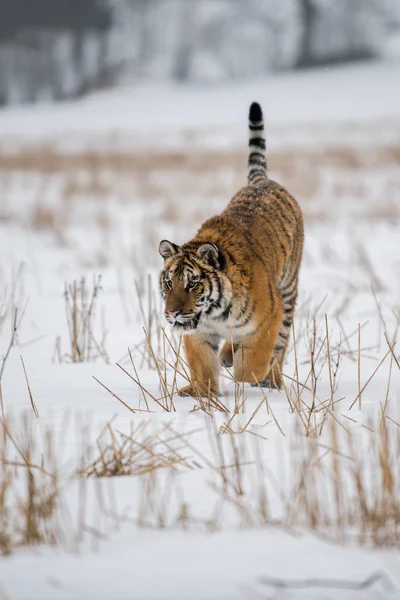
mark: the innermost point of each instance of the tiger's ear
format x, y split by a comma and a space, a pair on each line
210, 255
167, 249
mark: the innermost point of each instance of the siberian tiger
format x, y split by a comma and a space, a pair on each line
237, 279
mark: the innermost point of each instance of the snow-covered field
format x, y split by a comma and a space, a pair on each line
282, 495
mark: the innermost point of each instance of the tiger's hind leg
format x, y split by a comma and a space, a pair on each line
253, 358
274, 378
227, 353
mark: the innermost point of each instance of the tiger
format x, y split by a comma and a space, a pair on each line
236, 281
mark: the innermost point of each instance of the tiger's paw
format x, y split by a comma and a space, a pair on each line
227, 363
272, 384
188, 391
227, 353
194, 392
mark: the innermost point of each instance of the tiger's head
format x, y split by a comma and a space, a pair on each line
193, 283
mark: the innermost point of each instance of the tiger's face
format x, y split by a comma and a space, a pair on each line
193, 284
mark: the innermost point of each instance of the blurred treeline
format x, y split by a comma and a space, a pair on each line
54, 49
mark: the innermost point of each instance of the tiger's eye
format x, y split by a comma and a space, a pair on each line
193, 283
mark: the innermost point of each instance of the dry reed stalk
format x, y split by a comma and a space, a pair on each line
11, 344
359, 367
255, 411
80, 309
379, 308
328, 349
370, 378
34, 408
137, 377
365, 262
391, 348
162, 379
385, 405
151, 324
296, 362
114, 395
145, 392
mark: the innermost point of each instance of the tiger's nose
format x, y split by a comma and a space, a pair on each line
174, 313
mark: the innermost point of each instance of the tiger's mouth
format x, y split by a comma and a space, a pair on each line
185, 323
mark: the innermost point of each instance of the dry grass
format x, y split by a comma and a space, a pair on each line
81, 311
344, 485
350, 489
12, 295
347, 490
141, 451
29, 490
343, 481
111, 191
50, 159
320, 352
14, 331
364, 181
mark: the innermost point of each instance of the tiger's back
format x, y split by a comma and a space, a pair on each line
263, 223
250, 256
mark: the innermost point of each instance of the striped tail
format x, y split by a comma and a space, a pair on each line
257, 165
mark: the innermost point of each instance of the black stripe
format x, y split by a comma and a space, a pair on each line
248, 298
259, 127
287, 295
213, 347
256, 158
219, 285
230, 257
249, 241
246, 320
226, 313
289, 205
279, 216
258, 142
257, 153
286, 217
290, 283
288, 312
268, 217
257, 169
287, 323
256, 174
245, 203
292, 303
259, 326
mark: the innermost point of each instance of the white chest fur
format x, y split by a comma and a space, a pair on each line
228, 330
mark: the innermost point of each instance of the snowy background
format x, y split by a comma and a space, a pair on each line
63, 48
111, 485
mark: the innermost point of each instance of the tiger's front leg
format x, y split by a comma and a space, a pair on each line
202, 357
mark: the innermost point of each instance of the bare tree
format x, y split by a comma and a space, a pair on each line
186, 41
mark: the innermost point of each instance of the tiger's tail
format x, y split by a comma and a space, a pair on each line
257, 163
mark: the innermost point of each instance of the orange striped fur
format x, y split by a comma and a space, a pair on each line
235, 283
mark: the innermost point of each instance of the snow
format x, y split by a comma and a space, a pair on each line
180, 566
220, 555
149, 114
